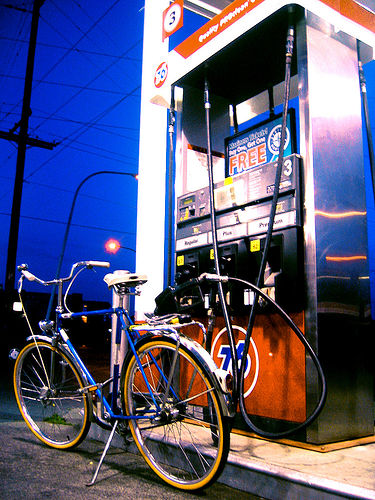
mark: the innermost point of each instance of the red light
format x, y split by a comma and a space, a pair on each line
112, 246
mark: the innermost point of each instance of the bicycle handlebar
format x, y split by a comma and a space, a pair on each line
87, 263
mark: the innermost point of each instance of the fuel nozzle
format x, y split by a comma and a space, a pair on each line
289, 44
290, 35
206, 94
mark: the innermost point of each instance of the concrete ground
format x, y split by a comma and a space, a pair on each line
256, 468
32, 471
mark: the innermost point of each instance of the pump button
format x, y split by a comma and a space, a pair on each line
254, 245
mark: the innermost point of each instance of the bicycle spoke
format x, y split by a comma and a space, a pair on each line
56, 413
186, 442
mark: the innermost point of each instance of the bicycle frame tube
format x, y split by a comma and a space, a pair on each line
151, 329
132, 347
121, 313
99, 312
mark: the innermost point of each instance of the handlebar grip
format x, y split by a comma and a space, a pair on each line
29, 275
97, 263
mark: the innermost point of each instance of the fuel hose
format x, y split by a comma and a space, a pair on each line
239, 374
257, 294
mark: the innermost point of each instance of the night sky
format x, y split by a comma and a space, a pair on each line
86, 100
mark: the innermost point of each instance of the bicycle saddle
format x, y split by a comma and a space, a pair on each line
127, 280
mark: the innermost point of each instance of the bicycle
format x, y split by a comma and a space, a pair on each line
168, 393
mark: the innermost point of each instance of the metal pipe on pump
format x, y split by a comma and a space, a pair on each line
171, 129
228, 325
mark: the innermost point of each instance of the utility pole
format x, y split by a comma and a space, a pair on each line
22, 140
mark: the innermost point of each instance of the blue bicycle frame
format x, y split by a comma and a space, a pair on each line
132, 335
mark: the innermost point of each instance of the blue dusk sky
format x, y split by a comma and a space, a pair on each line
85, 99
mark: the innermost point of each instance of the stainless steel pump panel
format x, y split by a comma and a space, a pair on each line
243, 205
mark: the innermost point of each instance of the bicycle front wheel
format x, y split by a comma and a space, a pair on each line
48, 392
179, 427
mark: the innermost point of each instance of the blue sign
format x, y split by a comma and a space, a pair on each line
257, 145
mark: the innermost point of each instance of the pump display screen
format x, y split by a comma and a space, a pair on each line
187, 201
257, 145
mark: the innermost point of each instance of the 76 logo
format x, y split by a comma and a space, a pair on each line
161, 74
221, 354
225, 354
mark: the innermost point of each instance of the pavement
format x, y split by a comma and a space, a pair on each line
255, 469
30, 470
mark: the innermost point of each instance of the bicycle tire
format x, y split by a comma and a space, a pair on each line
56, 411
185, 445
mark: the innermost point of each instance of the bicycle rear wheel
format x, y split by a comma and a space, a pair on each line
187, 443
47, 388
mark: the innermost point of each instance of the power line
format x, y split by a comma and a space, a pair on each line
80, 122
85, 226
76, 43
13, 54
98, 155
66, 85
91, 19
80, 39
79, 51
113, 202
92, 152
77, 26
84, 129
105, 150
14, 7
93, 63
81, 88
87, 151
101, 73
100, 128
59, 189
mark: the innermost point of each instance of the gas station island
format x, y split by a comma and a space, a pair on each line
232, 68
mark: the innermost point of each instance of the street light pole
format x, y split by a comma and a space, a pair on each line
68, 224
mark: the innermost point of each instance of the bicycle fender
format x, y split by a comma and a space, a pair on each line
46, 338
39, 337
206, 359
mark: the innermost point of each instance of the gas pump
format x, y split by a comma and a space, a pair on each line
243, 205
317, 250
